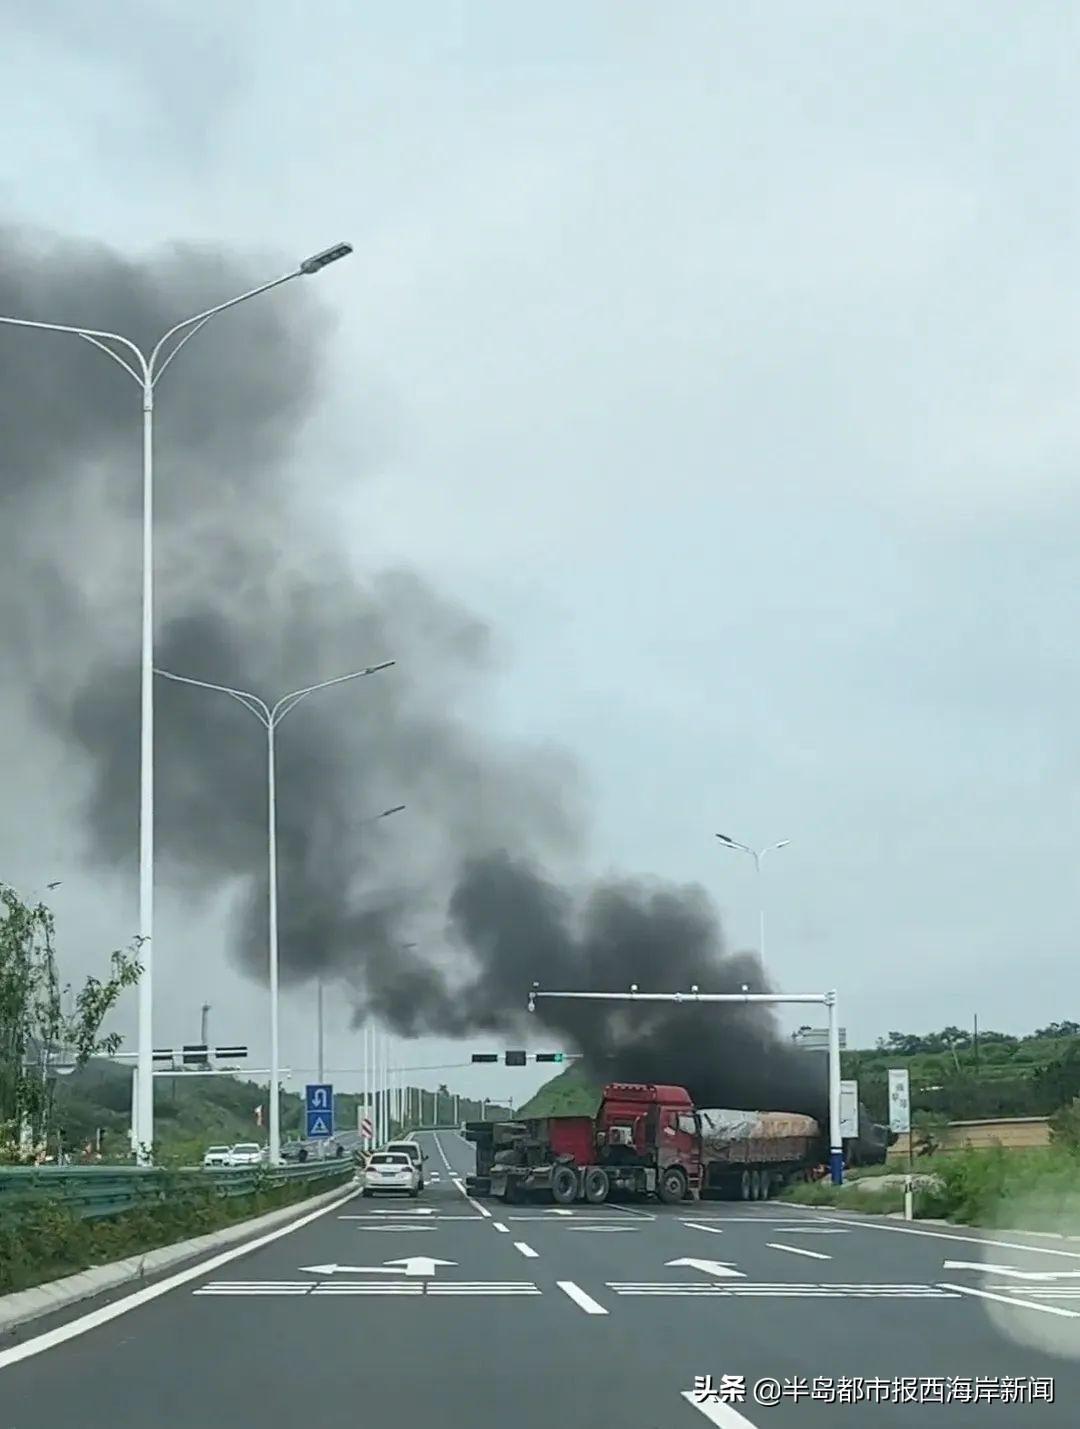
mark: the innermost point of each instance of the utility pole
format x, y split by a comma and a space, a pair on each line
204, 1034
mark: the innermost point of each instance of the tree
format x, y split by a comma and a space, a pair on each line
35, 1033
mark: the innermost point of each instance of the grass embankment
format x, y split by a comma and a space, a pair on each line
47, 1242
1037, 1189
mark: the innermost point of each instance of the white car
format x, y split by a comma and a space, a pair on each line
391, 1171
217, 1156
411, 1149
246, 1153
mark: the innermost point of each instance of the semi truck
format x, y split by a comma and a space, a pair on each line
648, 1139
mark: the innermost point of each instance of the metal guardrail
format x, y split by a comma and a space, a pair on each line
94, 1191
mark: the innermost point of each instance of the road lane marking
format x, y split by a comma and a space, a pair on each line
782, 1290
500, 1227
460, 1184
442, 1153
526, 1250
698, 1226
603, 1230
798, 1250
51, 1338
1012, 1300
583, 1301
970, 1239
723, 1415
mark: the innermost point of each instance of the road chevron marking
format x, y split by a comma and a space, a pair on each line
725, 1416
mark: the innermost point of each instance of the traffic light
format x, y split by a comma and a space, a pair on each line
485, 1056
549, 1056
516, 1059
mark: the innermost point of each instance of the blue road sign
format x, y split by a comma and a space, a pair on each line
319, 1109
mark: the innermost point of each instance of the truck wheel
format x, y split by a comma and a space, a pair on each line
672, 1187
597, 1185
564, 1187
744, 1186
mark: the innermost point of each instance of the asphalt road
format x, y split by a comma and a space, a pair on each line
535, 1317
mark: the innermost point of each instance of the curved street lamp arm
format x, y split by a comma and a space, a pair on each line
251, 702
734, 843
190, 333
103, 347
288, 702
91, 335
198, 319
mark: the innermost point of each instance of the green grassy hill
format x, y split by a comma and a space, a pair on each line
1003, 1076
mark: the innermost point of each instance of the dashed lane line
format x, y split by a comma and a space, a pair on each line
500, 1227
526, 1250
698, 1226
798, 1250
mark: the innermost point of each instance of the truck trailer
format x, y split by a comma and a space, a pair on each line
648, 1139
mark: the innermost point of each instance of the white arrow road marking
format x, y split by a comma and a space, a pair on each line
1011, 1271
583, 1301
413, 1265
725, 1416
1011, 1300
719, 1268
798, 1250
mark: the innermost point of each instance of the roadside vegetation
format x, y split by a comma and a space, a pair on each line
1035, 1188
46, 1241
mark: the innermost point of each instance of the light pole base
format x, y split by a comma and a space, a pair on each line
836, 1167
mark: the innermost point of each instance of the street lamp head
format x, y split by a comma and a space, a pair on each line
397, 809
318, 261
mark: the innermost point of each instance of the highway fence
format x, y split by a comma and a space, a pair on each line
92, 1192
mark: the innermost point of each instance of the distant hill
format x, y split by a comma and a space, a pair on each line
950, 1076
191, 1113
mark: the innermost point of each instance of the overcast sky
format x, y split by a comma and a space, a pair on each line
723, 359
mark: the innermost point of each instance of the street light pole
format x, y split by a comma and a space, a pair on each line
758, 855
146, 371
373, 819
270, 719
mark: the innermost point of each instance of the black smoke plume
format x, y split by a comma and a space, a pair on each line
253, 593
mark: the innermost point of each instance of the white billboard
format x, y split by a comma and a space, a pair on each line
849, 1109
899, 1099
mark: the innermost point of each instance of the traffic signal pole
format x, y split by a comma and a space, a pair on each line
826, 999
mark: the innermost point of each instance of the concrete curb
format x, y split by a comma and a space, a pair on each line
23, 1305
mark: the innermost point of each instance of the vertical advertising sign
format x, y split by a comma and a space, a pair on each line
899, 1100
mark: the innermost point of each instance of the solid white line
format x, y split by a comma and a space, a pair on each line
460, 1184
970, 1239
500, 1227
798, 1250
526, 1250
722, 1414
439, 1149
585, 1302
1009, 1300
697, 1226
51, 1338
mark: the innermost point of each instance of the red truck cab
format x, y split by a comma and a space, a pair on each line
656, 1126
